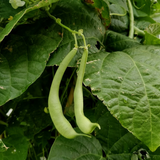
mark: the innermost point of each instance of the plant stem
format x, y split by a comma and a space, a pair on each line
136, 6
35, 155
58, 21
139, 31
84, 41
119, 14
131, 19
75, 39
3, 123
80, 32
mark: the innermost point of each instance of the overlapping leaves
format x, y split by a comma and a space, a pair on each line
8, 28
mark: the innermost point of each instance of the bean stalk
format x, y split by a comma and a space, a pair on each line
131, 19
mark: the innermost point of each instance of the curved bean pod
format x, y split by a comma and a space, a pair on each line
84, 124
55, 109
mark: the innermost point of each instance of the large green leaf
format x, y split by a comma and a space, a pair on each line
19, 15
23, 57
77, 15
79, 148
128, 83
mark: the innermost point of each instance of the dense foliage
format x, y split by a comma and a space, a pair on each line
121, 85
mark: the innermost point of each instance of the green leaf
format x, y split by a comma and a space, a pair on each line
155, 8
134, 157
142, 8
80, 148
143, 22
121, 3
76, 15
29, 109
18, 147
152, 34
117, 10
101, 6
11, 24
19, 15
103, 9
128, 84
23, 57
42, 138
119, 23
150, 39
32, 116
154, 29
156, 17
117, 142
118, 42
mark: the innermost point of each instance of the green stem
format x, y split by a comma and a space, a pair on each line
80, 32
3, 113
84, 41
43, 152
58, 21
139, 32
93, 98
119, 14
131, 19
3, 123
34, 152
136, 6
75, 39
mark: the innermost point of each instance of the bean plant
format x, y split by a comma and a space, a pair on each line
79, 79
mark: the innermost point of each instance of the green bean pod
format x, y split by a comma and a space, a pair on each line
55, 109
84, 124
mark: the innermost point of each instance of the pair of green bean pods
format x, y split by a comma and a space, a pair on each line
84, 124
55, 109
